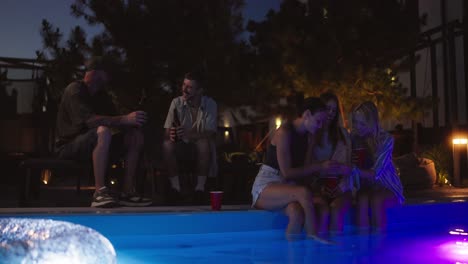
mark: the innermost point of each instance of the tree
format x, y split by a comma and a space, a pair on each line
349, 47
63, 58
160, 40
152, 44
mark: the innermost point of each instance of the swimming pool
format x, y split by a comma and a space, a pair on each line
417, 234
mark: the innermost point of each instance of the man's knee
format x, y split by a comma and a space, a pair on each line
169, 146
135, 139
203, 147
104, 134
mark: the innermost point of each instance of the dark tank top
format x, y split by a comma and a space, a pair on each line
298, 149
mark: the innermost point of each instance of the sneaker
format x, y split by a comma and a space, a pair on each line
134, 199
103, 199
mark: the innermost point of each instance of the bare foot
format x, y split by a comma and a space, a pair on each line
321, 240
294, 237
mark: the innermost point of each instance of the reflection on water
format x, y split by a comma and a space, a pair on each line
273, 247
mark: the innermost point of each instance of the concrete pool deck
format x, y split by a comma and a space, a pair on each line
436, 195
69, 202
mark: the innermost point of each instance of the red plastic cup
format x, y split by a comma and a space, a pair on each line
331, 182
359, 157
216, 198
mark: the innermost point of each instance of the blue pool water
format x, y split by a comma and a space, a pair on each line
417, 234
271, 247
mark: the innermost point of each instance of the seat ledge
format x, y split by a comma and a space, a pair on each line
53, 163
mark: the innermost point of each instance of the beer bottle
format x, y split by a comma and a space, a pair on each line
176, 123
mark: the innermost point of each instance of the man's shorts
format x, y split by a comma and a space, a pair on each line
82, 146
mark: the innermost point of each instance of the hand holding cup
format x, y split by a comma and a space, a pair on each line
136, 119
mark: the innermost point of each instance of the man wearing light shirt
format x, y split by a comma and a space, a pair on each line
194, 127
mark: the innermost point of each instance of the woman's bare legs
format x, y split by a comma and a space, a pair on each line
380, 201
278, 196
323, 215
295, 214
362, 215
338, 209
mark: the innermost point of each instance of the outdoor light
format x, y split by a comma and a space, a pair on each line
460, 141
114, 166
278, 122
46, 175
226, 135
459, 145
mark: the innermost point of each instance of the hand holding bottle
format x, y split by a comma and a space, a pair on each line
176, 132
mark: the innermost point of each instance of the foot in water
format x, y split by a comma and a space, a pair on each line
321, 240
294, 237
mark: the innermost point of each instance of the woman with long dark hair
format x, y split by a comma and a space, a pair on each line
333, 142
275, 187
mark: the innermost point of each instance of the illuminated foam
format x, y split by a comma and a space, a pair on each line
25, 240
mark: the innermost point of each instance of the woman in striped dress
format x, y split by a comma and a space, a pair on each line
380, 186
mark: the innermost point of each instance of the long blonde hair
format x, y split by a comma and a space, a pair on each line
371, 114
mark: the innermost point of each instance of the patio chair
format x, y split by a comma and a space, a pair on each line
34, 167
44, 159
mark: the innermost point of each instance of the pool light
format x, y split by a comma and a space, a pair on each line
26, 240
458, 232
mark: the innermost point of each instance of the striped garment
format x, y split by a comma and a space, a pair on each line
385, 172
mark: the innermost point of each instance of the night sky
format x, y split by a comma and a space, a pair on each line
20, 22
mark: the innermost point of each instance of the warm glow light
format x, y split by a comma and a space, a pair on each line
46, 176
226, 133
278, 122
460, 141
112, 182
114, 166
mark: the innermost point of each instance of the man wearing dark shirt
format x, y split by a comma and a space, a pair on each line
89, 129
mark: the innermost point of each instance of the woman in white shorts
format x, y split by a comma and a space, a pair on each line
274, 187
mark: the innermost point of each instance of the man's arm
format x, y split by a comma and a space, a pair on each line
135, 119
99, 120
83, 114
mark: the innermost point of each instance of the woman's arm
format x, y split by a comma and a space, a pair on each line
282, 141
384, 151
